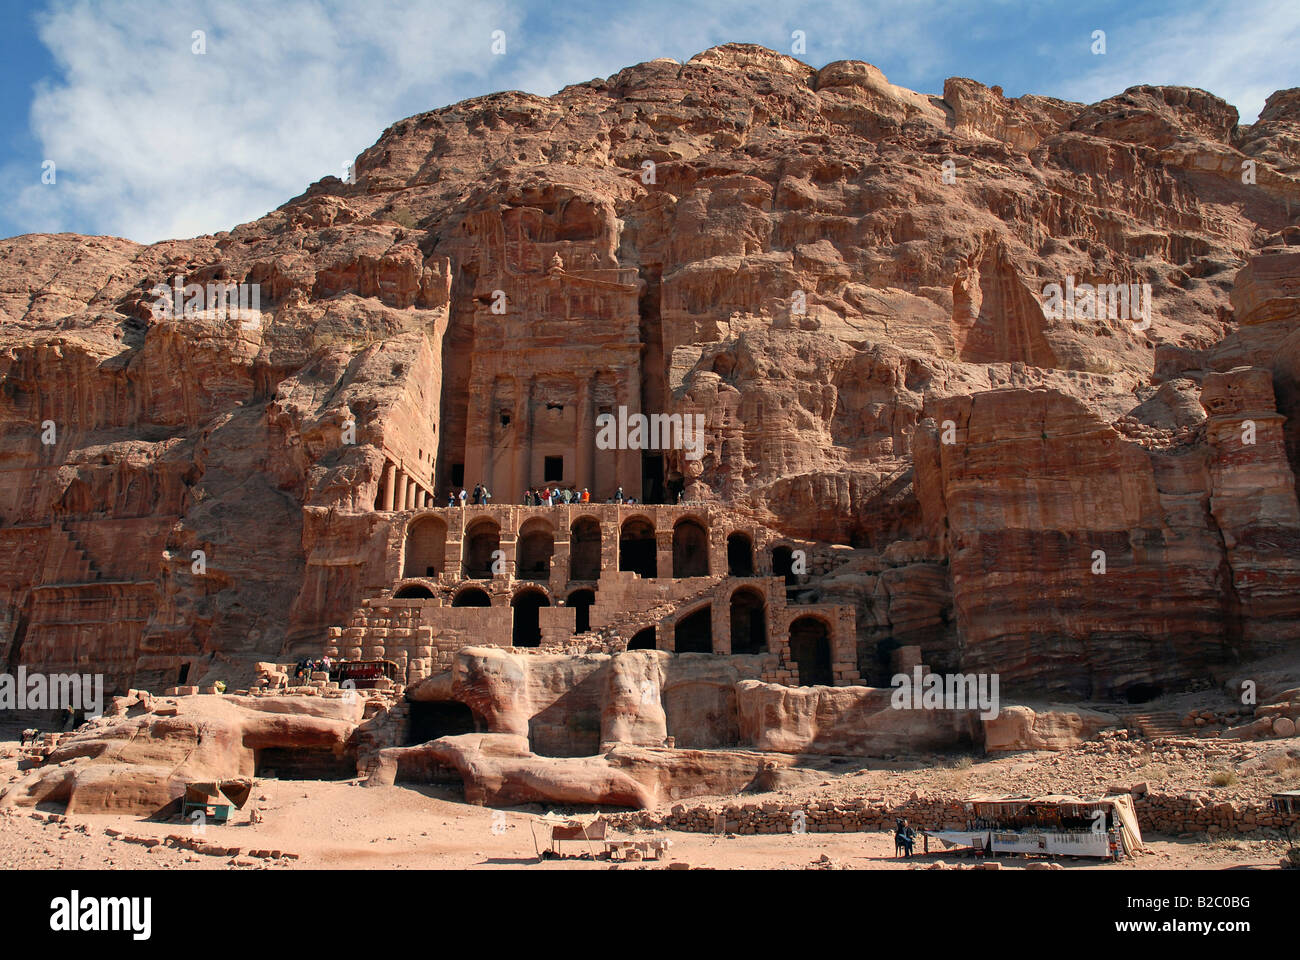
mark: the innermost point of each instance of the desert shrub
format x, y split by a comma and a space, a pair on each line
404, 216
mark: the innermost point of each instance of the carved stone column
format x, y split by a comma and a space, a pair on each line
400, 495
390, 477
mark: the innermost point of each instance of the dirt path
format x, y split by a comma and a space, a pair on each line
345, 825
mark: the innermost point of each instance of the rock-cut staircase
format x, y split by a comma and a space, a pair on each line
68, 561
1158, 723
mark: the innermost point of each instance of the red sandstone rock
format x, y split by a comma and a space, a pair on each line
499, 769
798, 273
140, 764
1057, 727
846, 721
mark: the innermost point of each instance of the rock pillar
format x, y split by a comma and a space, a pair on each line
390, 479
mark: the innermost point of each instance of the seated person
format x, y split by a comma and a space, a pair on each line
904, 836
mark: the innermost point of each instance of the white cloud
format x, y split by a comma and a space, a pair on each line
153, 141
1236, 51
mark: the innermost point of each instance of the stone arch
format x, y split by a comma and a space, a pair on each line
482, 540
740, 554
425, 548
810, 651
472, 597
638, 551
748, 621
584, 549
527, 630
412, 591
581, 601
643, 639
690, 548
534, 550
693, 633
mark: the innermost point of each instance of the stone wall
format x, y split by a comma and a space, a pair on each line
1156, 813
422, 633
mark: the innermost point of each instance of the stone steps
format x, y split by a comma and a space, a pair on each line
83, 569
651, 617
1158, 723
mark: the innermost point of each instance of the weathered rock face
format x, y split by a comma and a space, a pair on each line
1058, 727
824, 266
499, 769
571, 706
577, 706
139, 760
846, 721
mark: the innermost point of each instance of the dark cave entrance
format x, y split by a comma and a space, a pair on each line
443, 718
1142, 692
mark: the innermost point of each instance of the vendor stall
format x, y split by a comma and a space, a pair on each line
1051, 825
362, 674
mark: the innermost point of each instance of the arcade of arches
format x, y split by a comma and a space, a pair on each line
598, 578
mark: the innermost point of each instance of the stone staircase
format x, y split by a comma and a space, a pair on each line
635, 620
1158, 723
72, 562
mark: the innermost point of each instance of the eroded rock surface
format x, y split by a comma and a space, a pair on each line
828, 268
139, 761
499, 769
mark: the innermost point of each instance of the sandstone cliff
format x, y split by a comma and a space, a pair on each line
831, 269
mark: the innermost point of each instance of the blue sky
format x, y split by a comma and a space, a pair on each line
150, 140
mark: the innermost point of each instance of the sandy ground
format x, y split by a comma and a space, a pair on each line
345, 825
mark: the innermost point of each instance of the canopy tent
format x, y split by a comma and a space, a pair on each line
363, 674
235, 791
1055, 811
215, 798
1286, 803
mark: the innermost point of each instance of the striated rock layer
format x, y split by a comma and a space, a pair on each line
844, 278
